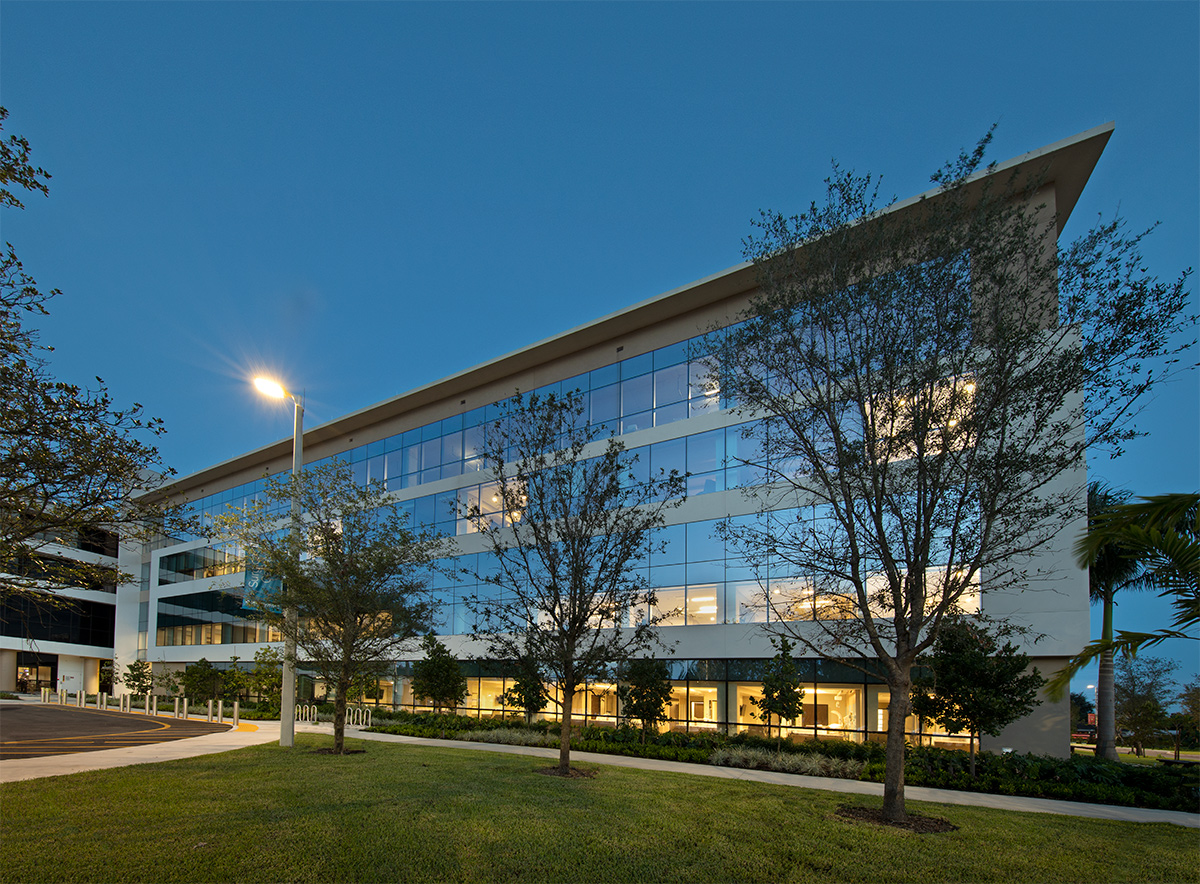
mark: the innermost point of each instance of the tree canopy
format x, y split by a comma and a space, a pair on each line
918, 379
72, 463
355, 573
975, 684
567, 525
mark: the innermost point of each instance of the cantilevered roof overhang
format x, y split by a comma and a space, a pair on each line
1067, 164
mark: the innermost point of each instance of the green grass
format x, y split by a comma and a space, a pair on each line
412, 813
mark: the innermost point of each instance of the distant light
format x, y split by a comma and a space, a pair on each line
271, 388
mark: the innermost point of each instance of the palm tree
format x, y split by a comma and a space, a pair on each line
1163, 534
1111, 567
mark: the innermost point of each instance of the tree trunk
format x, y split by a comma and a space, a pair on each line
971, 743
1106, 725
899, 689
564, 734
339, 717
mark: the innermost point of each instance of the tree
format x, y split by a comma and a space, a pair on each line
1111, 568
1081, 708
70, 461
782, 696
138, 678
527, 690
353, 571
167, 680
1189, 724
201, 681
781, 693
975, 684
645, 692
235, 681
912, 376
1163, 534
1144, 688
1154, 544
569, 527
437, 679
266, 678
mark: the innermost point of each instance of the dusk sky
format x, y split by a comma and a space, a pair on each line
361, 198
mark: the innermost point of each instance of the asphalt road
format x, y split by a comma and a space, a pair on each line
36, 730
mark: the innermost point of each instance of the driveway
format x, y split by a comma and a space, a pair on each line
37, 730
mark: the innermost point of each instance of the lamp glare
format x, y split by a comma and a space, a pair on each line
271, 388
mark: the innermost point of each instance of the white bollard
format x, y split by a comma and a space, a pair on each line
185, 707
155, 705
176, 707
146, 707
235, 713
210, 710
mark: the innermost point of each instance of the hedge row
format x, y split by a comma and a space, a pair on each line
1077, 778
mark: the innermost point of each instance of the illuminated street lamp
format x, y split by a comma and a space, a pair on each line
287, 696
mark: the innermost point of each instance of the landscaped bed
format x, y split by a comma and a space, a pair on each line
399, 812
1078, 778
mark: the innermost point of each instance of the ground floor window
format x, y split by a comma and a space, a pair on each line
840, 702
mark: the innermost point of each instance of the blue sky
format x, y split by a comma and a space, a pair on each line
364, 197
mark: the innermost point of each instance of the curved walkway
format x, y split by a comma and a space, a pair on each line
268, 731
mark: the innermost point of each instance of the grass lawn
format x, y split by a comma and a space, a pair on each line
409, 813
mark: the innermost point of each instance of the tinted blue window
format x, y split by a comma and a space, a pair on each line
602, 377
393, 443
706, 451
423, 515
667, 575
637, 365
637, 394
706, 572
669, 414
705, 483
673, 541
701, 544
668, 456
671, 354
605, 403
634, 422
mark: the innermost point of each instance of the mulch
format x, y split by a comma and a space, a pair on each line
921, 825
573, 773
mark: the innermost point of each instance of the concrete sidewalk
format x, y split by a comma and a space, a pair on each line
268, 731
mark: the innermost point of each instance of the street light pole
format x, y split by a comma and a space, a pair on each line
287, 694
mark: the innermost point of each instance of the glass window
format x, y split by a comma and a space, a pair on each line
602, 377
635, 422
706, 572
431, 453
637, 365
671, 605
704, 604
668, 545
703, 544
669, 414
705, 483
606, 403
746, 602
670, 385
668, 456
637, 395
452, 447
